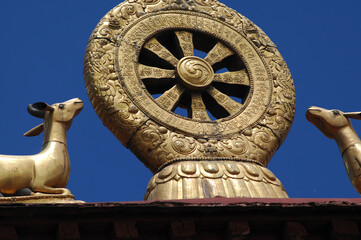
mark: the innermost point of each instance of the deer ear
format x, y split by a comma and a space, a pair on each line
34, 131
353, 115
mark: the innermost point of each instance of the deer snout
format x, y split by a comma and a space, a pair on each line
78, 102
79, 106
312, 111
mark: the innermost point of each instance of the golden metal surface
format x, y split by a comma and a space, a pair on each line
207, 179
171, 97
199, 110
142, 68
147, 72
156, 47
48, 171
185, 42
218, 53
238, 77
336, 125
195, 73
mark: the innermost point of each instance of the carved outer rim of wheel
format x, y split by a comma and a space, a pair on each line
111, 72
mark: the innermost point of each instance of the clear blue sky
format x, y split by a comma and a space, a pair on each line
42, 48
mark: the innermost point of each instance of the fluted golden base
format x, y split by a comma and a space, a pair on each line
41, 198
208, 179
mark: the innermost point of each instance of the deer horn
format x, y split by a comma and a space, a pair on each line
38, 109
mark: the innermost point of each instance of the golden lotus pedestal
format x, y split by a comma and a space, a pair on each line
216, 178
41, 198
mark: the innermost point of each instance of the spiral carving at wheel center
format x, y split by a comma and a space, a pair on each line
197, 92
195, 73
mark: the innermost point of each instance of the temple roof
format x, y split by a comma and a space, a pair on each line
217, 218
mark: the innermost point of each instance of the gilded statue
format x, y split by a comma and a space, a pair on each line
196, 91
48, 171
336, 125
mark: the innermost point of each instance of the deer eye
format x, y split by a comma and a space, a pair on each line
335, 112
61, 106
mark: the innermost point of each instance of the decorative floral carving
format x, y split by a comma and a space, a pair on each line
209, 148
182, 144
108, 98
238, 146
207, 2
150, 144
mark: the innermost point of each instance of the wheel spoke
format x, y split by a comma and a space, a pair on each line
156, 47
170, 98
198, 108
218, 53
223, 100
238, 77
154, 72
186, 42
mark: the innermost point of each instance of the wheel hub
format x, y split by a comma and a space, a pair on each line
195, 73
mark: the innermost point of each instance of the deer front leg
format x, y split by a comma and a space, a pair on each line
46, 189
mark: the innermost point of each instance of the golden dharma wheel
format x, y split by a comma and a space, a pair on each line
196, 91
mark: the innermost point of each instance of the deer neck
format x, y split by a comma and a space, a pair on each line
54, 132
346, 137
